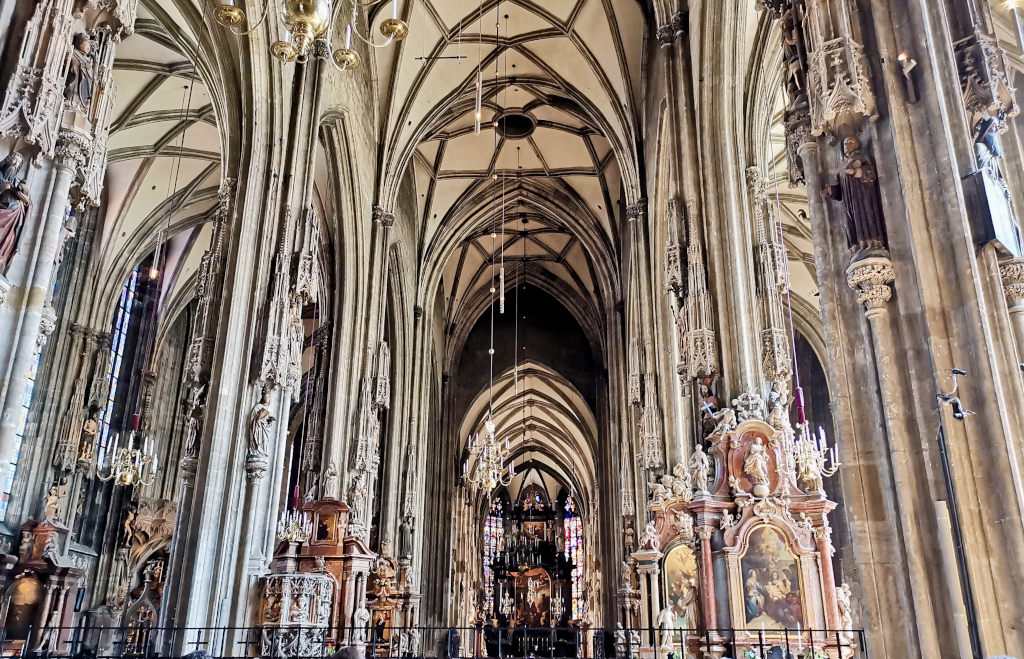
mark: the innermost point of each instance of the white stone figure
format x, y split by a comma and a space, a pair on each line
360, 619
682, 484
649, 538
260, 422
51, 505
700, 469
330, 479
725, 420
666, 627
755, 465
627, 577
296, 339
844, 599
659, 493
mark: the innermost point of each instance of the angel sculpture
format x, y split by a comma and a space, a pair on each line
649, 538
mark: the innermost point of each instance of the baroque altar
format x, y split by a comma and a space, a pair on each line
740, 540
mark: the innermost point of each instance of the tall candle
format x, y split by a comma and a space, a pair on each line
394, 8
348, 37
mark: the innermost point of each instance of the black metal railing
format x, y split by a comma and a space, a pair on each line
487, 642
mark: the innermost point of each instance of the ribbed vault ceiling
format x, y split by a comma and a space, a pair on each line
572, 68
164, 156
548, 425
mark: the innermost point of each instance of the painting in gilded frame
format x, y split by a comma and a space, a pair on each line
681, 586
771, 582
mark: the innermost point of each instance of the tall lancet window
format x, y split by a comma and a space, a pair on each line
122, 320
573, 530
494, 532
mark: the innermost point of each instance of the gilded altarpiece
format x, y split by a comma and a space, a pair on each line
746, 560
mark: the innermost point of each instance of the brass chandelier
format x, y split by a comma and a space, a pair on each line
487, 456
309, 20
128, 465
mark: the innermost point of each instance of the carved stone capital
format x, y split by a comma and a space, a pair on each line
381, 216
705, 532
73, 149
637, 210
1012, 274
665, 35
871, 278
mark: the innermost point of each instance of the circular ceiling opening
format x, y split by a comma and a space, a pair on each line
515, 125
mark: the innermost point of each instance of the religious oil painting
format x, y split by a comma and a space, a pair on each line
771, 582
681, 586
533, 595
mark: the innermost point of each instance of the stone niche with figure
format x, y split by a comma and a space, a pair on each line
741, 550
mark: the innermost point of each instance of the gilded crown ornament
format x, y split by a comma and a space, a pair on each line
307, 21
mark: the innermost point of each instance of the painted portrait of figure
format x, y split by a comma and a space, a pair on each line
681, 586
771, 582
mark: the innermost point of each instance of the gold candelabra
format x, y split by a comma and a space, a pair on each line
487, 456
309, 20
815, 460
294, 526
128, 465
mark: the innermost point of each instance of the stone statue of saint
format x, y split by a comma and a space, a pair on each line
627, 577
128, 530
844, 598
260, 422
194, 419
359, 621
666, 627
857, 189
79, 84
987, 149
755, 465
87, 441
629, 537
700, 468
330, 479
405, 538
14, 203
296, 338
51, 505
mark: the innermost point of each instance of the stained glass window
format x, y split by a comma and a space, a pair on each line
122, 318
19, 435
573, 530
494, 532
